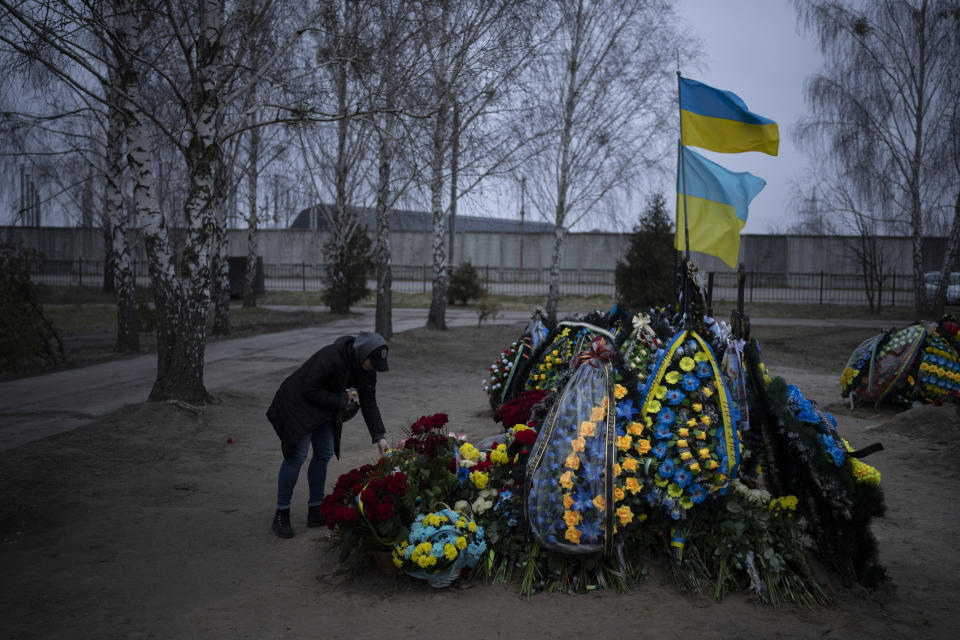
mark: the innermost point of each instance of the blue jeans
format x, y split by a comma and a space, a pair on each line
322, 439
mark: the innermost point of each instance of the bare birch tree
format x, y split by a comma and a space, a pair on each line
880, 106
606, 95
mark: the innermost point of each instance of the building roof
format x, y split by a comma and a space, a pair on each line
317, 217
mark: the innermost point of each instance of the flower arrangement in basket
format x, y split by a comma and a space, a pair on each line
440, 545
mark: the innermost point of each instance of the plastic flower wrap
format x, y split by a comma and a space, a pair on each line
690, 423
641, 347
879, 366
569, 498
440, 542
574, 338
500, 371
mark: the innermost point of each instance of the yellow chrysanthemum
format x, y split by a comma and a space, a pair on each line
619, 391
479, 479
683, 432
672, 377
701, 356
700, 435
687, 363
685, 455
694, 466
461, 542
697, 407
653, 406
704, 452
660, 392
674, 490
681, 443
472, 527
449, 551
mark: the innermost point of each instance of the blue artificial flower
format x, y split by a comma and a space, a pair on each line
462, 474
654, 496
666, 416
591, 471
689, 382
669, 502
676, 512
698, 494
512, 522
660, 450
663, 431
666, 468
703, 370
591, 531
691, 346
626, 410
682, 477
621, 429
583, 500
674, 397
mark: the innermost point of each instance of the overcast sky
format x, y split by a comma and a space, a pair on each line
754, 48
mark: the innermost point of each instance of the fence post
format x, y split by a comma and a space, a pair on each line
80, 271
303, 275
821, 287
750, 277
893, 290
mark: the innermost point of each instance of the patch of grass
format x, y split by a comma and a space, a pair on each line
73, 318
722, 309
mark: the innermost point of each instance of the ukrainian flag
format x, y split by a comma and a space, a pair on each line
720, 121
716, 206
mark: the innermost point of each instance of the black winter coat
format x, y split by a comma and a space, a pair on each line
317, 391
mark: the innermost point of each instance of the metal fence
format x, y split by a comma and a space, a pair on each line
787, 288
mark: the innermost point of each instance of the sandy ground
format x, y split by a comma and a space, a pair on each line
150, 523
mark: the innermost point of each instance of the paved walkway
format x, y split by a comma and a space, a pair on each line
40, 406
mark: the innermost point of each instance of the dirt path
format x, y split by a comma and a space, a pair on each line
149, 523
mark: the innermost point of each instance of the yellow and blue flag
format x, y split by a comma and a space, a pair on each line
719, 120
716, 206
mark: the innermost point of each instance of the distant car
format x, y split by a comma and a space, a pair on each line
932, 280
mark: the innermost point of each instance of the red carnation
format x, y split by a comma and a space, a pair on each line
526, 436
951, 327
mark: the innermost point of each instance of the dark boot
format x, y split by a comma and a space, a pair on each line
281, 523
314, 517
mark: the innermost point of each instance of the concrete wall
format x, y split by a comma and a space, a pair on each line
770, 253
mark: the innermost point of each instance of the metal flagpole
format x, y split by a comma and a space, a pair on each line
687, 307
683, 165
